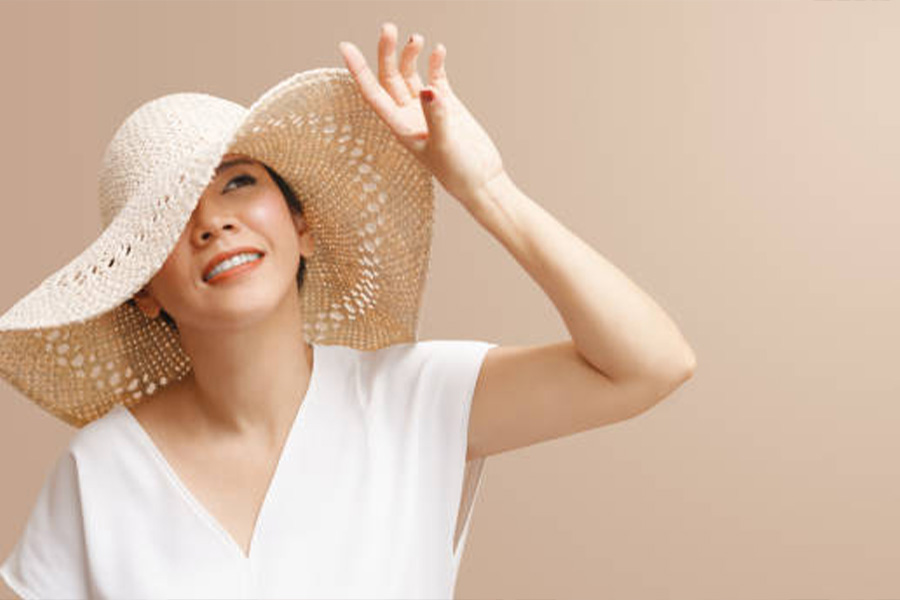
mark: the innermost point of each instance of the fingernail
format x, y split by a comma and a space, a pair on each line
428, 95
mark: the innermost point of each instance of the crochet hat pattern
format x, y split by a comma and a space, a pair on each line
76, 347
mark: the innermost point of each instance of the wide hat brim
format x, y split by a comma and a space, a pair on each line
76, 347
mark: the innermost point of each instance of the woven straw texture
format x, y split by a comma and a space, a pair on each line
76, 348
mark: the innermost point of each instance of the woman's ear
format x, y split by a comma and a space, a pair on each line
307, 243
147, 303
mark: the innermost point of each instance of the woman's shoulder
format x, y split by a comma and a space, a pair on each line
418, 353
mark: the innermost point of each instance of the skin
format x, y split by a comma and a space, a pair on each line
251, 365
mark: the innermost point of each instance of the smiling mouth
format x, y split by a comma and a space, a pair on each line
229, 268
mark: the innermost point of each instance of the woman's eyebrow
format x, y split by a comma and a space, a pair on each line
231, 163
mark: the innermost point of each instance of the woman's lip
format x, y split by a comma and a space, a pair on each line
235, 271
215, 260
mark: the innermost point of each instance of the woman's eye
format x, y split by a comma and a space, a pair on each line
249, 178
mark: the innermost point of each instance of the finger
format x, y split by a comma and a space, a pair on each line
381, 101
408, 66
435, 111
437, 75
388, 74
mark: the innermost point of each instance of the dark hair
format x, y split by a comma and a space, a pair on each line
294, 205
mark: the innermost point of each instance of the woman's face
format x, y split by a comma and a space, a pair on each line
241, 207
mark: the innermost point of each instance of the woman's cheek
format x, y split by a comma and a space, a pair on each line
177, 273
264, 215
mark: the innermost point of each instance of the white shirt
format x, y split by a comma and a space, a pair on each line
363, 502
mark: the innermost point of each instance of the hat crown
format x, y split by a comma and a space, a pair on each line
147, 154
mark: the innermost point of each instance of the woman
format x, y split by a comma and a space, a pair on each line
226, 450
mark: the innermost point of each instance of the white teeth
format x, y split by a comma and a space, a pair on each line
234, 261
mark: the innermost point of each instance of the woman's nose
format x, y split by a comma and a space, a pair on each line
206, 233
210, 222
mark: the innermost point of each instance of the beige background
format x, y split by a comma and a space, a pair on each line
738, 160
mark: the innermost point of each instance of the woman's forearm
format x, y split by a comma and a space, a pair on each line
617, 327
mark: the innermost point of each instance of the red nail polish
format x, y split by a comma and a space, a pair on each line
428, 95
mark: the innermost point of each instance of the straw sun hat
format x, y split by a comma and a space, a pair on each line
74, 344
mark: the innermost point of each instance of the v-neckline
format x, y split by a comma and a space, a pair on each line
199, 507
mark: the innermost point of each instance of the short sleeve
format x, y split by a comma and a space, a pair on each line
446, 384
48, 560
449, 371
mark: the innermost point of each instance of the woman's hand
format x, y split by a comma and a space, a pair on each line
441, 133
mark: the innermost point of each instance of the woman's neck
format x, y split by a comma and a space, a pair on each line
249, 380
